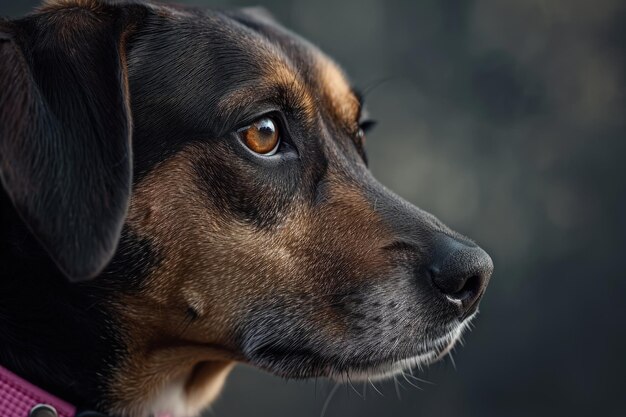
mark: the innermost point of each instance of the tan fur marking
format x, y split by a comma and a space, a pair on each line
206, 382
212, 261
337, 90
278, 76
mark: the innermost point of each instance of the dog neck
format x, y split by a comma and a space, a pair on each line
52, 333
57, 335
19, 398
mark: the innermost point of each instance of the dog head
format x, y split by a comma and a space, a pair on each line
210, 167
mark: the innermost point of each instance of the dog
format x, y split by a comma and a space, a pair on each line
185, 189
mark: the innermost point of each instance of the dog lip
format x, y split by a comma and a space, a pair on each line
386, 369
305, 362
433, 354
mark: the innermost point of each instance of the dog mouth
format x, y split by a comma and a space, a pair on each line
302, 362
430, 352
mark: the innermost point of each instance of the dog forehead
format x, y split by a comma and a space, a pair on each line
211, 72
278, 58
322, 74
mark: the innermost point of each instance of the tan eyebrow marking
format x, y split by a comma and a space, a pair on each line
333, 89
337, 90
277, 76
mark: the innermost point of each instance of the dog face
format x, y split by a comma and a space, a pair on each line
254, 231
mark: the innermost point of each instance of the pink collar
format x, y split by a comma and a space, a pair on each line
19, 397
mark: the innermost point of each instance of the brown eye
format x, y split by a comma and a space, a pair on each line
261, 136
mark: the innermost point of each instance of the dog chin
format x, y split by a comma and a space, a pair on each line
434, 351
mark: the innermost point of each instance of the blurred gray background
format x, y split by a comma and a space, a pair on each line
505, 118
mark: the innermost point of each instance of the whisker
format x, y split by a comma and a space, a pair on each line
452, 359
395, 383
375, 84
410, 383
374, 386
328, 399
420, 379
352, 386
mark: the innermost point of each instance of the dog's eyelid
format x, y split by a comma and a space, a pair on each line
367, 125
249, 116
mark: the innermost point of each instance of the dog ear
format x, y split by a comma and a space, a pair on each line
65, 129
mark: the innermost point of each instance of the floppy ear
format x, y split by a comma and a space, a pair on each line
65, 130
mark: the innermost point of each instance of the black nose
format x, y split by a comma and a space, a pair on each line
461, 271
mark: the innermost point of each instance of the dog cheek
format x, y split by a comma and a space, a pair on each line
258, 196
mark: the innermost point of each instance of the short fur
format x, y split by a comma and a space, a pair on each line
122, 171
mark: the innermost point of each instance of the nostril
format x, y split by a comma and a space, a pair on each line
469, 290
460, 287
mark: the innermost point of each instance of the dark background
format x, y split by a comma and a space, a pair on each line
506, 120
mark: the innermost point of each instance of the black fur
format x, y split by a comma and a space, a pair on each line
52, 331
66, 170
65, 153
67, 165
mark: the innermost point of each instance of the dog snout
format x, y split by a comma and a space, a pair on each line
460, 270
